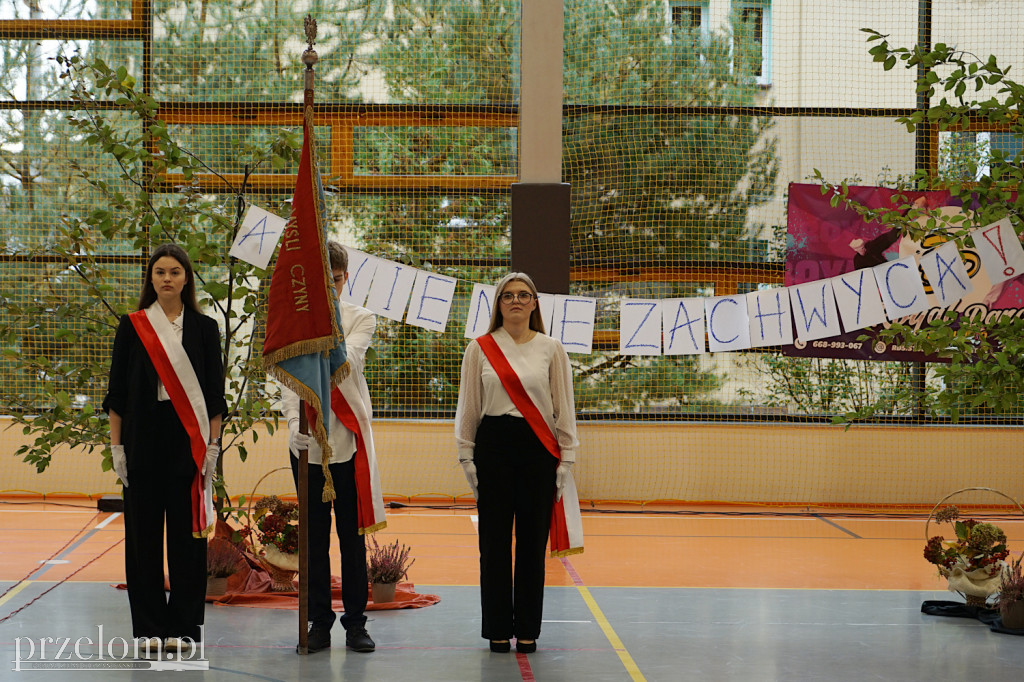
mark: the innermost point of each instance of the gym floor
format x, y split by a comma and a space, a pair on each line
661, 593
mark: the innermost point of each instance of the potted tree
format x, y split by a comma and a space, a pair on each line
385, 566
78, 291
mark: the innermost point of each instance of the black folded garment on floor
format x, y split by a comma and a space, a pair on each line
955, 609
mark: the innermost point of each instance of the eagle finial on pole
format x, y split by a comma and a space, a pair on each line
309, 56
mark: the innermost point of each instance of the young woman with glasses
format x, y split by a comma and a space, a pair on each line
516, 432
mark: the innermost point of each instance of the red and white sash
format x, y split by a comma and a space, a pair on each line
351, 412
179, 379
566, 535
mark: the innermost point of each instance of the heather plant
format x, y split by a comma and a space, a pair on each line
388, 563
222, 558
1011, 587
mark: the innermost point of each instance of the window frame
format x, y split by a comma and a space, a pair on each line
702, 5
765, 7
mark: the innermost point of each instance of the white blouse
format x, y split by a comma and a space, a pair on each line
543, 367
178, 325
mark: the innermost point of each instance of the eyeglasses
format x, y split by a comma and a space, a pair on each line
522, 297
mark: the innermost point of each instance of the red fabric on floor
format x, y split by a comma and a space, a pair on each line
250, 586
406, 597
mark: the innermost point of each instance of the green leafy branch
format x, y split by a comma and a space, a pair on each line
61, 336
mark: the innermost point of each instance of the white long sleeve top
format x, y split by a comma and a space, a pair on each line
542, 365
178, 325
358, 324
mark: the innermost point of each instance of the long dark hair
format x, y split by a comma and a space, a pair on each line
188, 294
536, 319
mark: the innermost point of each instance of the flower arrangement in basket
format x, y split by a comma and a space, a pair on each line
387, 564
974, 562
277, 530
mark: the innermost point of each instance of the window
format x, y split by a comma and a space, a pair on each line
968, 156
689, 16
755, 22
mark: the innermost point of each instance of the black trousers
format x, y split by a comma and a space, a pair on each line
354, 582
149, 500
516, 477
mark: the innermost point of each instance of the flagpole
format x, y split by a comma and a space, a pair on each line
309, 58
303, 492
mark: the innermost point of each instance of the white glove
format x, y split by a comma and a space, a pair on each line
562, 473
210, 463
469, 469
297, 441
120, 463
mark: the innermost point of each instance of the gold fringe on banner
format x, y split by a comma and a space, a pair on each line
306, 395
567, 552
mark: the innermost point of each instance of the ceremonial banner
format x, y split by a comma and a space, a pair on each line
828, 241
304, 347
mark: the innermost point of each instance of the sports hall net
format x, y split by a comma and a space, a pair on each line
687, 124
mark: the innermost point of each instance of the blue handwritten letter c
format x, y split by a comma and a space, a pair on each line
711, 321
888, 287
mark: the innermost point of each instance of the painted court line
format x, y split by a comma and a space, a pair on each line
72, 547
836, 525
58, 559
103, 524
14, 590
525, 671
568, 621
606, 627
47, 511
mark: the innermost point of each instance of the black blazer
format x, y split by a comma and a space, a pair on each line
153, 436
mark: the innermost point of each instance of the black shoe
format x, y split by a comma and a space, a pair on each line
501, 647
319, 638
526, 647
358, 639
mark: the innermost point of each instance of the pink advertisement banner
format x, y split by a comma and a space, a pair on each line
826, 241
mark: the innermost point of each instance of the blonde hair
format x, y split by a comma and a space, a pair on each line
536, 321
